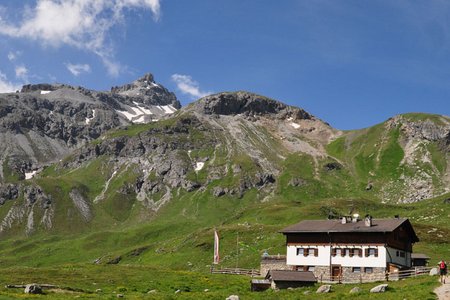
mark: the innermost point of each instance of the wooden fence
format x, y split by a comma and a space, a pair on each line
236, 271
393, 276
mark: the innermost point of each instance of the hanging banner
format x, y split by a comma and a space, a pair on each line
216, 248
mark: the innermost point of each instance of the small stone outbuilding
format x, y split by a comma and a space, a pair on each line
282, 279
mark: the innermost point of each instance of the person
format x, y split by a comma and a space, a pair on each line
442, 270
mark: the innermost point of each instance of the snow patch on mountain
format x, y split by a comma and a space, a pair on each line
199, 166
30, 175
88, 120
142, 114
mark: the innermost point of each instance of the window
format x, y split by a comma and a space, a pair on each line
300, 268
311, 268
397, 253
344, 252
368, 270
356, 269
308, 251
336, 251
402, 254
355, 252
371, 252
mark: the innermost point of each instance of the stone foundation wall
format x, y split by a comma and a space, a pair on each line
322, 272
349, 275
273, 263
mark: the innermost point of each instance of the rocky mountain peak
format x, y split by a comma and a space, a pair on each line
422, 126
146, 78
146, 82
242, 102
28, 88
145, 90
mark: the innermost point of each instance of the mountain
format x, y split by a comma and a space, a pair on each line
236, 161
403, 160
44, 122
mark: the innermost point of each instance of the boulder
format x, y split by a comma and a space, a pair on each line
434, 271
332, 166
232, 297
114, 261
355, 290
297, 182
33, 289
379, 288
218, 191
324, 289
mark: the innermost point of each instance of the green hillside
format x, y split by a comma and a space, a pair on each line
112, 202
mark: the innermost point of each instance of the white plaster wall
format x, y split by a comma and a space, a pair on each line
356, 261
323, 258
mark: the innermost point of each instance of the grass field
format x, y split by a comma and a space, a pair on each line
135, 282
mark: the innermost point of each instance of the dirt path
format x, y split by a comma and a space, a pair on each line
443, 292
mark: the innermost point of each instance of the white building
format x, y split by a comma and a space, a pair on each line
350, 248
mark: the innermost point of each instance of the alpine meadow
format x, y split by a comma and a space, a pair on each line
130, 208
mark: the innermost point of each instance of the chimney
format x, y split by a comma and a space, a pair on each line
368, 220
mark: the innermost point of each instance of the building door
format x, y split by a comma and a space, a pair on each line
336, 273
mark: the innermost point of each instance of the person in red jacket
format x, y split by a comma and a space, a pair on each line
442, 270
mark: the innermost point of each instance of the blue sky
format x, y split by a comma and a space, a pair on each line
351, 63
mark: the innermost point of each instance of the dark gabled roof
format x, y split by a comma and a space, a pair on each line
330, 226
419, 256
282, 275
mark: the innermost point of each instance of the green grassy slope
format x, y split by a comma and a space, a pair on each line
179, 236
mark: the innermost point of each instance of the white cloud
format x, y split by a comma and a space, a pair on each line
83, 24
188, 86
77, 69
22, 72
12, 56
6, 86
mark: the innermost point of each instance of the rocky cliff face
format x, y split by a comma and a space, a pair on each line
404, 160
426, 154
44, 123
224, 147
